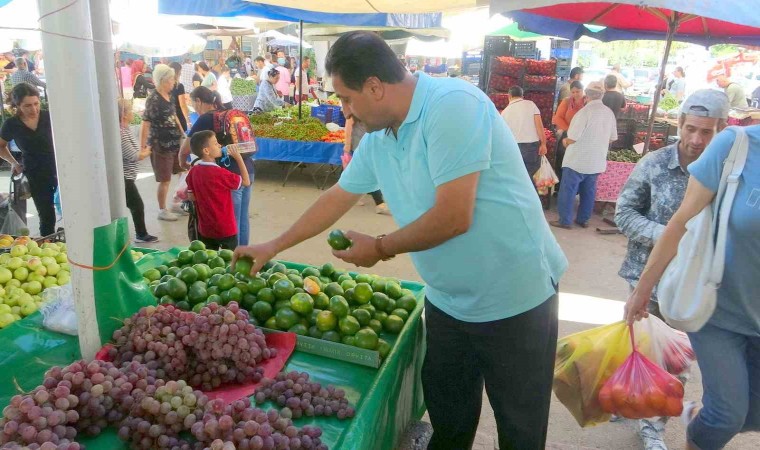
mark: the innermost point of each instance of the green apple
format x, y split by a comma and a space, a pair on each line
13, 283
12, 300
61, 246
2, 292
34, 287
50, 282
32, 244
63, 278
29, 309
4, 258
53, 268
15, 310
5, 309
33, 263
41, 271
50, 252
15, 262
50, 245
47, 260
65, 267
6, 319
36, 251
21, 273
24, 286
5, 275
18, 250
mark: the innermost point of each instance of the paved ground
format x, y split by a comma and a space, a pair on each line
591, 291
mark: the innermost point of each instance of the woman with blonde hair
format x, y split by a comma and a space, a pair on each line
161, 135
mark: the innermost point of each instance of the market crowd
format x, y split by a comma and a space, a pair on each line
463, 205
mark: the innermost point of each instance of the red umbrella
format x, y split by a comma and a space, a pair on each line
701, 21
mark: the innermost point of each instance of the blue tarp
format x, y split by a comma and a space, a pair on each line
573, 31
297, 151
236, 8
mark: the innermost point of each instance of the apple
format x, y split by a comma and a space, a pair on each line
5, 275
50, 245
28, 309
36, 251
41, 271
33, 263
4, 258
15, 310
53, 269
63, 278
5, 309
48, 260
50, 282
61, 258
61, 246
65, 267
32, 244
35, 277
34, 287
15, 291
6, 319
50, 252
14, 283
15, 262
21, 273
19, 251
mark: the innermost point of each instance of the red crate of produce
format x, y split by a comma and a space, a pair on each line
611, 181
500, 100
502, 82
544, 100
506, 65
540, 83
541, 67
636, 111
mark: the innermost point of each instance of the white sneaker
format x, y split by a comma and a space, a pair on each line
167, 216
177, 209
382, 208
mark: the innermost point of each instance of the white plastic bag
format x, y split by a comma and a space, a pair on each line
180, 194
13, 223
545, 178
58, 310
665, 346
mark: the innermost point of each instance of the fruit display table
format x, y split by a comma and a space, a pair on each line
611, 182
387, 399
299, 153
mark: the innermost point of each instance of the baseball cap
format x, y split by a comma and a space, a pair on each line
707, 103
595, 86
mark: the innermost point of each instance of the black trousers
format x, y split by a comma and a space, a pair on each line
559, 156
530, 156
377, 197
136, 207
43, 189
513, 358
229, 242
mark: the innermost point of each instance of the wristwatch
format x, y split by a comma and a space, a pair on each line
379, 249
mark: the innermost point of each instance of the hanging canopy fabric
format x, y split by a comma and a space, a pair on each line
388, 33
375, 6
704, 22
155, 39
237, 8
513, 31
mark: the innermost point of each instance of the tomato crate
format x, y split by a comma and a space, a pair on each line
636, 111
540, 83
543, 67
501, 100
507, 65
502, 83
659, 137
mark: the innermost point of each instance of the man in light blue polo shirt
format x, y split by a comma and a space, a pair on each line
455, 183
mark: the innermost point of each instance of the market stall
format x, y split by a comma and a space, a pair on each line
350, 358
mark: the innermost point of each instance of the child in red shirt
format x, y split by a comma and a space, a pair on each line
211, 187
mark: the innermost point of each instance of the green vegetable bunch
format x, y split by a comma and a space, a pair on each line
627, 156
668, 102
307, 130
241, 87
136, 120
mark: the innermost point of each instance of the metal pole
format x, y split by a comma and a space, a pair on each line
78, 141
104, 65
672, 27
300, 66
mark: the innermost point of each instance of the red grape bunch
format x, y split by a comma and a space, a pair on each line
298, 397
208, 349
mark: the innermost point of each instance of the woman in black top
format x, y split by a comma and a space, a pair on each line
143, 84
180, 96
30, 129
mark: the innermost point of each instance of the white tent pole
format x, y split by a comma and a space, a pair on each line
104, 66
78, 140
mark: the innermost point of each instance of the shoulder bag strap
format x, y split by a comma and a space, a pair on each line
732, 170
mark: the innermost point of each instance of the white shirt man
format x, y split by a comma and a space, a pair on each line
524, 120
587, 143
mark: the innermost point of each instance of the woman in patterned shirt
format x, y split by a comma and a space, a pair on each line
162, 135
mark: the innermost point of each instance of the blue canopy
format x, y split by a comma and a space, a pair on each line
236, 8
573, 31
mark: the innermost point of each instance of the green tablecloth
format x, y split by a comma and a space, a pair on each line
387, 399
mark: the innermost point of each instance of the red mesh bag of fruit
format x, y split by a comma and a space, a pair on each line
500, 100
502, 82
640, 389
665, 346
542, 67
507, 65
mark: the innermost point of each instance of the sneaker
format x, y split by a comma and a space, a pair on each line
167, 216
145, 238
689, 412
179, 210
558, 224
382, 208
650, 432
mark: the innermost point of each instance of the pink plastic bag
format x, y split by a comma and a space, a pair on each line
665, 346
640, 389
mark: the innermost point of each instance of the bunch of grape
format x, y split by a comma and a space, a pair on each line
82, 397
160, 413
297, 396
214, 347
241, 426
